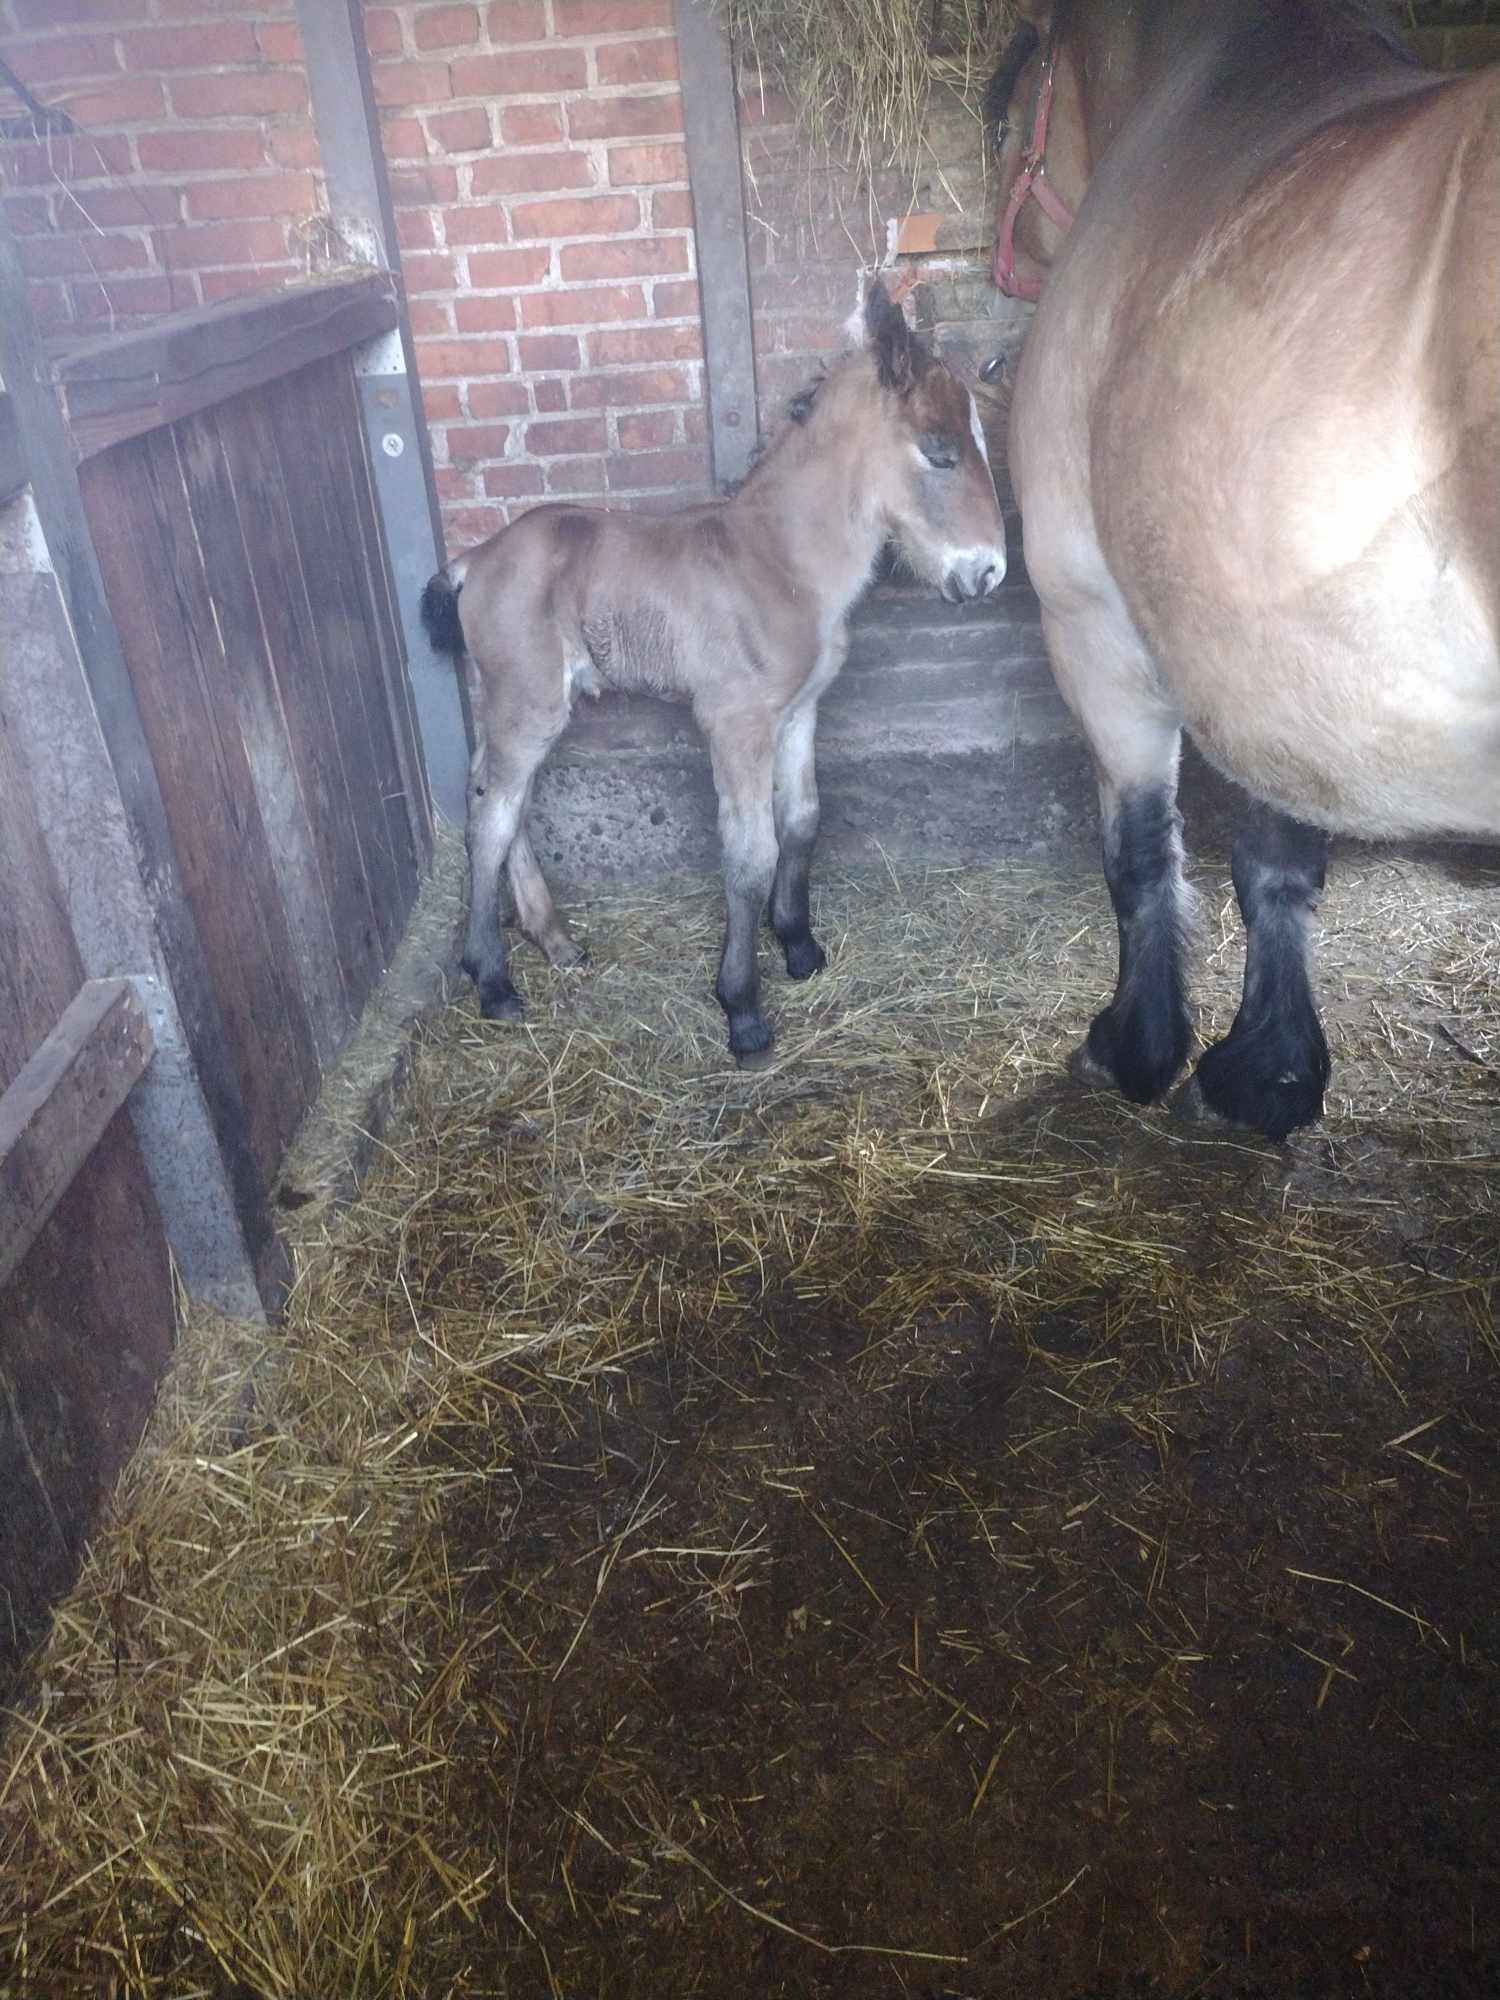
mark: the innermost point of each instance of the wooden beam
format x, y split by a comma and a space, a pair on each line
710, 116
54, 1113
122, 385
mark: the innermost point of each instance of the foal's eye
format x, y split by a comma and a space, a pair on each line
941, 452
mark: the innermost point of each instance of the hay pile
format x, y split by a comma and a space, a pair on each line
806, 1532
861, 72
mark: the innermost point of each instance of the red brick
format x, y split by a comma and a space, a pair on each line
476, 225
237, 284
439, 400
519, 73
531, 124
550, 350
87, 13
647, 432
132, 206
646, 470
411, 82
638, 166
28, 215
153, 295
465, 131
616, 392
498, 399
429, 273
429, 317
608, 348
494, 270
512, 482
675, 301
51, 307
469, 444
610, 17
62, 61
176, 151
403, 138
77, 256
226, 243
597, 215
565, 437
383, 31
629, 257
532, 173
122, 103
416, 229
550, 395
576, 476
467, 526
454, 485
190, 48
446, 27
460, 358
585, 308
295, 146
626, 117
485, 314
248, 93
72, 161
415, 187
516, 21
254, 194
638, 62
280, 41
672, 208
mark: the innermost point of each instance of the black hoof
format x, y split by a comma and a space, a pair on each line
501, 1002
1143, 1057
804, 957
750, 1040
1275, 1097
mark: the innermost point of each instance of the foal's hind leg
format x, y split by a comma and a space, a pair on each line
1140, 1040
1271, 1070
743, 762
536, 912
497, 801
796, 814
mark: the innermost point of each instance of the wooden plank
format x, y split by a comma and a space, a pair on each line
213, 1129
306, 406
121, 385
710, 117
148, 550
54, 1114
13, 473
283, 590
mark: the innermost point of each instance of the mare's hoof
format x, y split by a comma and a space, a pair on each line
1085, 1067
804, 957
501, 1003
750, 1042
1231, 1088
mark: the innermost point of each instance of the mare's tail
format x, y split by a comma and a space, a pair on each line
440, 619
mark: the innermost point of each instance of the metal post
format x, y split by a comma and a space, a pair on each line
348, 128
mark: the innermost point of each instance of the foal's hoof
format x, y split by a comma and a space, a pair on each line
750, 1042
501, 1002
1085, 1067
568, 957
804, 957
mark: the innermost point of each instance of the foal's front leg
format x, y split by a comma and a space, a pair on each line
742, 758
1271, 1069
796, 814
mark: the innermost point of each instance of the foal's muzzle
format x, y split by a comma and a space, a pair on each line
975, 576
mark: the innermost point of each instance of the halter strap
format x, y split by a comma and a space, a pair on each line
1030, 182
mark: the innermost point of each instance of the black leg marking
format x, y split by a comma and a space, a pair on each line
1142, 1036
1270, 1072
796, 815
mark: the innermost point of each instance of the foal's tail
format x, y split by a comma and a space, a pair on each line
440, 619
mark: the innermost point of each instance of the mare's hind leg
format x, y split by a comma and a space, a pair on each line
795, 806
1140, 1040
1271, 1069
535, 910
742, 757
497, 801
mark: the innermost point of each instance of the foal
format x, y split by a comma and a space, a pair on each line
738, 607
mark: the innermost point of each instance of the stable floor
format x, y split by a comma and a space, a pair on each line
890, 1524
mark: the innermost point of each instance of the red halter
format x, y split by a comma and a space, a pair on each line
1030, 181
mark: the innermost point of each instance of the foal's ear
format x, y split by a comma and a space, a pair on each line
899, 356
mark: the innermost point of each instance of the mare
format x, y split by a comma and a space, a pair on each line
1255, 435
738, 607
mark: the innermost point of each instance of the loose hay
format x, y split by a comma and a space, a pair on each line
886, 1525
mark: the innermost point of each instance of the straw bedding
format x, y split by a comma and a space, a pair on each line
890, 1524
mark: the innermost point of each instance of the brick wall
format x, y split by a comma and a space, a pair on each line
538, 171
